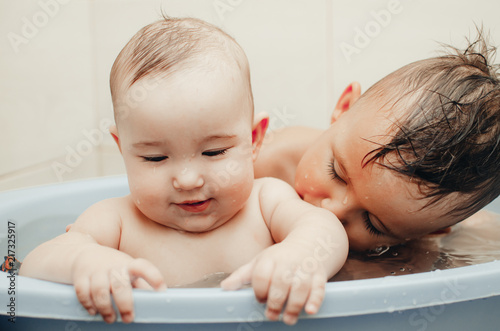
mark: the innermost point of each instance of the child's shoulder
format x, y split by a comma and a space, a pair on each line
103, 221
107, 209
269, 186
282, 150
111, 204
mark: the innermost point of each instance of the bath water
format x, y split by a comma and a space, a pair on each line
473, 241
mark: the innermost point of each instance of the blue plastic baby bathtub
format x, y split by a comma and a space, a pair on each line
464, 298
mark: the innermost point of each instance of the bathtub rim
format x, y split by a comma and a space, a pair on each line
213, 305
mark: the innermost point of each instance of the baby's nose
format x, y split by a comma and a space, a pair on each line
188, 179
341, 209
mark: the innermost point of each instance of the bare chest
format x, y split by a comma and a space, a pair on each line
185, 257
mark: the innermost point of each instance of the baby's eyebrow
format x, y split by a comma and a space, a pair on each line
219, 136
147, 143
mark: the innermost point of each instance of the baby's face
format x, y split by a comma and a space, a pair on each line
377, 206
187, 148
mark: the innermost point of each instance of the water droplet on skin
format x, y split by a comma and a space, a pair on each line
184, 171
345, 200
307, 175
138, 201
378, 251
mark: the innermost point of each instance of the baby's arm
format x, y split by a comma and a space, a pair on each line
88, 257
311, 247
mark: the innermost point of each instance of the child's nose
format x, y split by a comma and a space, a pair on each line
343, 208
188, 179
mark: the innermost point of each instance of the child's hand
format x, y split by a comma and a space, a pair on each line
283, 272
103, 272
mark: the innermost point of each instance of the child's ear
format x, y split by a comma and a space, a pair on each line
350, 95
260, 124
114, 133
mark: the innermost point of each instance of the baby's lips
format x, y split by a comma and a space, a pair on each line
195, 206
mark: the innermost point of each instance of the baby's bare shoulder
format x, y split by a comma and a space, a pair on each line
107, 207
272, 184
103, 220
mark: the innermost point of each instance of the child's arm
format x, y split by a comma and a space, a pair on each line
311, 247
88, 257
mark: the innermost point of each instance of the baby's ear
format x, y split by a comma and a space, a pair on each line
260, 124
350, 95
114, 133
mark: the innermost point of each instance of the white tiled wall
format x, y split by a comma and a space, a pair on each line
55, 58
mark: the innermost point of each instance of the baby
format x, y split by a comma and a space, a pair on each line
416, 153
186, 130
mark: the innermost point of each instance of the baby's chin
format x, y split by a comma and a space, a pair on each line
196, 224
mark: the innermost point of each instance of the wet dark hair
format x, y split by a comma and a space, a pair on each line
449, 138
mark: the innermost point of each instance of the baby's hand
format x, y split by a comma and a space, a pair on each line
97, 277
283, 272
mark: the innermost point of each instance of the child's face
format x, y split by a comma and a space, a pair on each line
377, 206
188, 150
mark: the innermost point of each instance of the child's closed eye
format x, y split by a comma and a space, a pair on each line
154, 158
369, 226
216, 152
333, 173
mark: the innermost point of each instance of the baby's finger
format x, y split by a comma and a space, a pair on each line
262, 276
101, 296
122, 293
242, 276
142, 268
278, 294
82, 289
297, 298
317, 294
141, 284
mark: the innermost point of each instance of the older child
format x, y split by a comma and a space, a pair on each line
185, 128
416, 153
